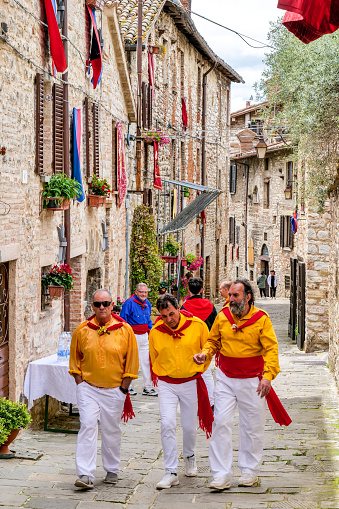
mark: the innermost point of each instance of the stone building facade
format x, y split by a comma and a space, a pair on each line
180, 66
263, 196
29, 242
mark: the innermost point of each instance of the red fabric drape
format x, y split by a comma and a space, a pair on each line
310, 19
202, 308
157, 179
151, 72
57, 49
122, 178
184, 113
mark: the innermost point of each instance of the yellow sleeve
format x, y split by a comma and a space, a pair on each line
75, 354
152, 352
132, 357
213, 343
269, 342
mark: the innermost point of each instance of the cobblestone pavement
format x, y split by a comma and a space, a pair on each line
300, 464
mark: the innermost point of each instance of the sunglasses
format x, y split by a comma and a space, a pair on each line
105, 303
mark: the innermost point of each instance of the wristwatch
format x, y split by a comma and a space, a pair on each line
124, 391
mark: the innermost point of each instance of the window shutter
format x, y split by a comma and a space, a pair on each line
39, 124
58, 128
150, 107
114, 157
144, 104
95, 115
230, 230
233, 178
87, 135
282, 225
290, 232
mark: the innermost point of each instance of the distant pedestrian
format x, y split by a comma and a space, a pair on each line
223, 290
272, 282
261, 282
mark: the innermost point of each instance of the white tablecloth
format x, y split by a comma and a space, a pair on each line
48, 376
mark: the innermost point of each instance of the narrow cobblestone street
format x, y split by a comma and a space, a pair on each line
300, 464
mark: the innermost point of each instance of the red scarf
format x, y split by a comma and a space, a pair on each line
127, 412
205, 413
202, 308
143, 305
250, 367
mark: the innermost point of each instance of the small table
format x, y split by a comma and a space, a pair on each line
50, 377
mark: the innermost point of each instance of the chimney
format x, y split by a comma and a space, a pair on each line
187, 4
248, 104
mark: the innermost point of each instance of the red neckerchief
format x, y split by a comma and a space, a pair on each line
177, 333
250, 321
143, 305
112, 327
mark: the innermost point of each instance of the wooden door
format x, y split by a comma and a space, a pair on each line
301, 304
4, 364
293, 300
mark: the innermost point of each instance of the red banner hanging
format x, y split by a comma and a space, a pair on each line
122, 177
157, 179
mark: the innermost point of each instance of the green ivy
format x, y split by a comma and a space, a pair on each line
146, 264
13, 415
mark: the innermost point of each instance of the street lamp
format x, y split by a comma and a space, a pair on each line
261, 148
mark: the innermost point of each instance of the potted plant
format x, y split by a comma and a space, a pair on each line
155, 49
174, 288
156, 135
194, 262
186, 191
13, 417
163, 287
171, 247
59, 191
58, 280
98, 190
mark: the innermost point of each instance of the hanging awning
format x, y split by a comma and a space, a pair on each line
181, 220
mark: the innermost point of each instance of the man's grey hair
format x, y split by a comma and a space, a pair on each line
102, 290
226, 284
248, 290
141, 284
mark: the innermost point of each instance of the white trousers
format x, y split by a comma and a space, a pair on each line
143, 348
228, 393
170, 395
106, 405
209, 381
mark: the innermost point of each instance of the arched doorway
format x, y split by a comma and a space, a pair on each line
265, 262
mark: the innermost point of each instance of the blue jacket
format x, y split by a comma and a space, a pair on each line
132, 313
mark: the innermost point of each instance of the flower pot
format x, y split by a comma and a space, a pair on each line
155, 49
174, 293
56, 204
149, 140
55, 292
94, 200
170, 259
184, 262
4, 449
162, 291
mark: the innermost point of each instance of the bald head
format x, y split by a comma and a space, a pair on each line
224, 287
103, 293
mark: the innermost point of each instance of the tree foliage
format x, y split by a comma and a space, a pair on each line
146, 264
301, 83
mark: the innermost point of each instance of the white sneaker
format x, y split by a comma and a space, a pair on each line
168, 481
190, 467
220, 483
248, 480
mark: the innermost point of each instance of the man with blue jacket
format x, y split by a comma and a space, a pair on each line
136, 311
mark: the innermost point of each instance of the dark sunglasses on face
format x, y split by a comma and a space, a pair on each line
105, 303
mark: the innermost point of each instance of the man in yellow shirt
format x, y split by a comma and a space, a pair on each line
223, 290
245, 342
103, 360
172, 342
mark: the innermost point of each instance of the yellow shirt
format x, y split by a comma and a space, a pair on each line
104, 360
174, 356
256, 339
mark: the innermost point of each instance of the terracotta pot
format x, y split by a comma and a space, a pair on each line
55, 204
4, 449
162, 291
149, 140
174, 293
55, 291
95, 200
155, 49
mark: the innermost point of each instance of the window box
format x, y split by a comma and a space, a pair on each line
170, 259
95, 200
149, 140
184, 262
56, 203
55, 292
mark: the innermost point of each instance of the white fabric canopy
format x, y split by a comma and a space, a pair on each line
48, 376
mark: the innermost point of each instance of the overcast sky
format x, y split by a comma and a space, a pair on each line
247, 17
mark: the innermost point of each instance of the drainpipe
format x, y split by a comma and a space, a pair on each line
139, 72
246, 207
203, 153
67, 213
